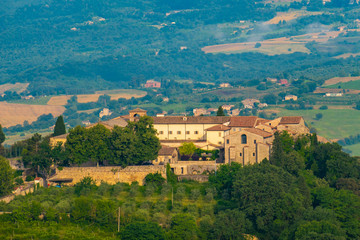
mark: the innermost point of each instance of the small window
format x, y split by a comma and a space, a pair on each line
254, 141
161, 132
220, 142
182, 170
178, 132
234, 129
219, 134
243, 139
270, 124
196, 132
227, 141
254, 154
170, 132
240, 154
187, 132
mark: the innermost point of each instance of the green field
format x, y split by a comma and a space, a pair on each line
335, 123
347, 85
36, 101
355, 149
123, 91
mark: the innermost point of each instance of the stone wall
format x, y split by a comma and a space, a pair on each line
111, 175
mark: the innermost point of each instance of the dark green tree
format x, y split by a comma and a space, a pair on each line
183, 227
2, 135
220, 111
142, 231
59, 126
6, 177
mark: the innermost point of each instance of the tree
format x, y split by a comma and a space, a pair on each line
318, 116
142, 231
135, 143
2, 135
154, 178
6, 177
59, 126
220, 111
187, 148
183, 227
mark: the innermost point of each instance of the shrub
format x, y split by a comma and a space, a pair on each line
324, 107
29, 178
154, 178
257, 45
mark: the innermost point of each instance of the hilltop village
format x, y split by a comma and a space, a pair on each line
241, 139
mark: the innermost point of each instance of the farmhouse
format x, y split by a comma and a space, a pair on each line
152, 84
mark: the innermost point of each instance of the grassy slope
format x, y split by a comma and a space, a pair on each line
347, 85
335, 123
355, 149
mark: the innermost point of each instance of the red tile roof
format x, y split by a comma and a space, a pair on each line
243, 121
259, 132
219, 127
290, 120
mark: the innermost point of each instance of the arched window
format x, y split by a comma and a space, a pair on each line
243, 139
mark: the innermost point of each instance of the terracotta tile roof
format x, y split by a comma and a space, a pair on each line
119, 121
262, 121
166, 151
190, 120
290, 120
259, 132
243, 121
219, 127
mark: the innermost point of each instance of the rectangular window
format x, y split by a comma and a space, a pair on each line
170, 132
187, 132
196, 132
254, 141
254, 154
161, 132
178, 132
240, 154
227, 141
219, 134
220, 142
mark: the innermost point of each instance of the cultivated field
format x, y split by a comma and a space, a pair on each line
288, 16
353, 86
336, 80
284, 45
12, 114
334, 89
17, 87
84, 98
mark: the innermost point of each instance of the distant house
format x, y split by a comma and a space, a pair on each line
291, 97
284, 82
249, 102
235, 112
273, 80
200, 111
227, 107
105, 112
152, 84
333, 95
225, 85
86, 123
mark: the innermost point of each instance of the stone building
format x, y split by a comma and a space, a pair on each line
166, 155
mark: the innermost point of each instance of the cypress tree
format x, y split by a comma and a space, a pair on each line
59, 126
2, 135
220, 111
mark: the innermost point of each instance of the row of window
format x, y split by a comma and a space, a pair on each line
179, 132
